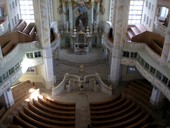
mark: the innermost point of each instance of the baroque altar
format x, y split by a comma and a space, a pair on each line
81, 22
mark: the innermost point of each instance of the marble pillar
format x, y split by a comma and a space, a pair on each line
43, 31
98, 12
115, 67
119, 27
70, 16
166, 48
64, 11
120, 21
156, 97
8, 98
50, 7
91, 16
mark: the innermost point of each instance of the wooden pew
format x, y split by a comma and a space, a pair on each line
20, 27
142, 88
146, 85
13, 126
49, 115
132, 120
47, 120
32, 32
146, 119
117, 120
139, 92
28, 28
59, 103
21, 89
34, 122
105, 103
115, 114
2, 111
56, 107
49, 110
111, 110
7, 48
110, 105
152, 125
19, 121
139, 98
121, 123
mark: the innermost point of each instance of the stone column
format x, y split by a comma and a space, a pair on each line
166, 48
119, 27
8, 98
98, 11
70, 16
64, 11
43, 30
91, 16
156, 97
50, 7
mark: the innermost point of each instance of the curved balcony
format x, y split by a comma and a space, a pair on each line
150, 69
17, 62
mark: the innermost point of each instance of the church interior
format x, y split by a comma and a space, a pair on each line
84, 64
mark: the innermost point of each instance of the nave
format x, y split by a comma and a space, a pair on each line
81, 109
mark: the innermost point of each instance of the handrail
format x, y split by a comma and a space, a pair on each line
102, 86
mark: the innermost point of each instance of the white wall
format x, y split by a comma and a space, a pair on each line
13, 12
149, 11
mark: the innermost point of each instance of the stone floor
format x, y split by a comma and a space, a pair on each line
95, 61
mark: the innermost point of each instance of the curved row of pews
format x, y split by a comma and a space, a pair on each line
140, 91
45, 113
119, 112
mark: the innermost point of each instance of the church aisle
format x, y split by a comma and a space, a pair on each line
82, 100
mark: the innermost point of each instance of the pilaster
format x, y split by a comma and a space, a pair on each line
166, 47
42, 22
70, 16
91, 16
8, 98
121, 9
97, 11
156, 97
64, 11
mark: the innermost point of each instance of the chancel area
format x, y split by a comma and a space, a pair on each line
84, 64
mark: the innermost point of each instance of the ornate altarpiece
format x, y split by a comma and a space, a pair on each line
81, 19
